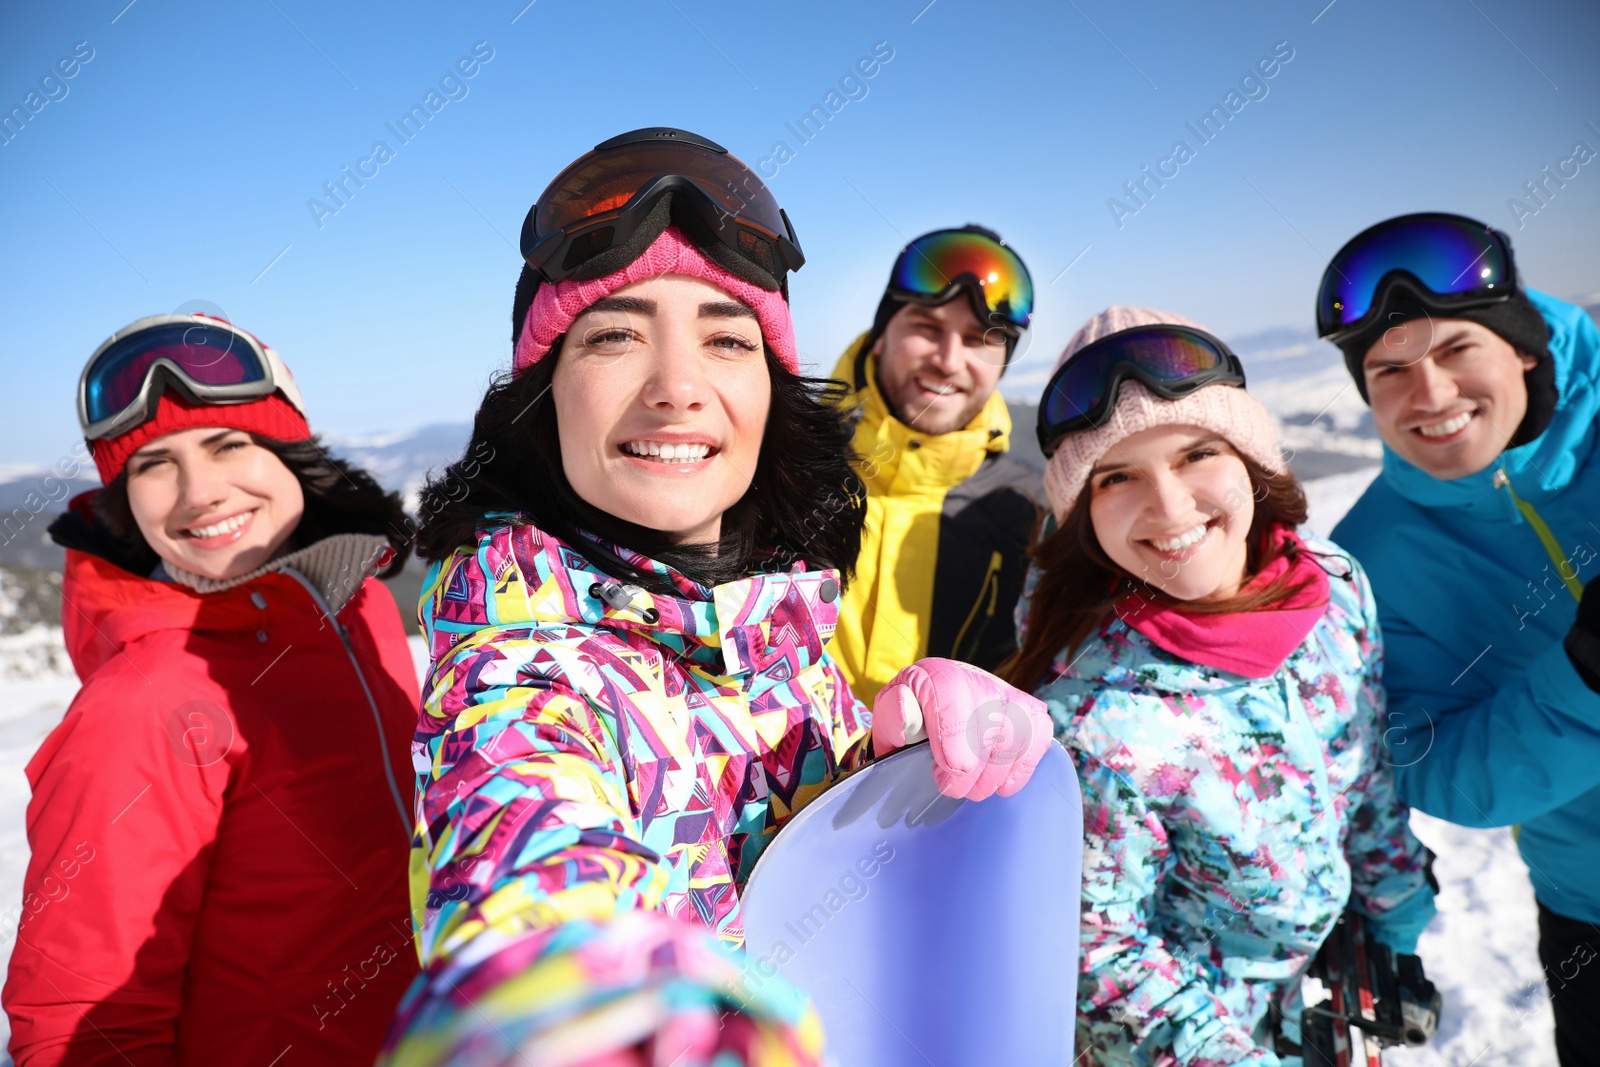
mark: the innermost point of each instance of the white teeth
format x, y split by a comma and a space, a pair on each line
1184, 540
1449, 426
941, 390
220, 528
667, 452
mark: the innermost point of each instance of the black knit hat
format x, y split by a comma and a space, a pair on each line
1513, 319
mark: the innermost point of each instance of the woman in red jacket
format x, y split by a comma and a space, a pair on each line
217, 829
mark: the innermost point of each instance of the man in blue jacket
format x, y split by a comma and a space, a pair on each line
1482, 537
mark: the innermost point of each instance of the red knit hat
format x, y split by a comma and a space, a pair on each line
271, 416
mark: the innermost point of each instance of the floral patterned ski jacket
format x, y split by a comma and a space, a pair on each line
598, 770
1227, 823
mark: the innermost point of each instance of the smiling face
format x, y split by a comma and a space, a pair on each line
1172, 505
212, 501
1447, 394
937, 366
661, 394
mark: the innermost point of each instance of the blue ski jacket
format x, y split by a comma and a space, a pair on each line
1488, 723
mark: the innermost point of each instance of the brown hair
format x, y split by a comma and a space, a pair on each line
1079, 585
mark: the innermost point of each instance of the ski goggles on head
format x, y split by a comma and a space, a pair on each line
598, 202
207, 360
1171, 361
1456, 261
930, 268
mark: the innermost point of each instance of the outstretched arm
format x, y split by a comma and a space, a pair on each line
538, 899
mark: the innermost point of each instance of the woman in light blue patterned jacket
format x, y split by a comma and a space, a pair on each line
1218, 681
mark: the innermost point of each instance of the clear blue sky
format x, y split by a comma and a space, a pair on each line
178, 165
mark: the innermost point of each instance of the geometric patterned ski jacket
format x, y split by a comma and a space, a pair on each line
1227, 822
595, 782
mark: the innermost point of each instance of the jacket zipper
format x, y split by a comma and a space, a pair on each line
991, 587
1547, 538
372, 703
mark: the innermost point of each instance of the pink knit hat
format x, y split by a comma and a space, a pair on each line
1225, 410
556, 307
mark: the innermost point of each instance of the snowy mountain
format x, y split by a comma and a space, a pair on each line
30, 498
30, 630
403, 460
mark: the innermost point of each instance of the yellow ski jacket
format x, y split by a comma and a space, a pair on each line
943, 555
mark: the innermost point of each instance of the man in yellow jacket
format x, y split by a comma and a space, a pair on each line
949, 513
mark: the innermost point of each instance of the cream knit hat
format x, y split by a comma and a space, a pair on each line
1225, 410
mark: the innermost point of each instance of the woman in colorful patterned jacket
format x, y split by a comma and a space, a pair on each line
1217, 679
639, 566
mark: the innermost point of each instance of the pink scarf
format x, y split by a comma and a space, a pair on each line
1251, 643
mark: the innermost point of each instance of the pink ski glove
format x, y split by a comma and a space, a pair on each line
986, 736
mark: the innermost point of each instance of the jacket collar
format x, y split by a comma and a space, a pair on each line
897, 459
1544, 465
105, 608
771, 625
335, 566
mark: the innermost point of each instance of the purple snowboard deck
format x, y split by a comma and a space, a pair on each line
930, 932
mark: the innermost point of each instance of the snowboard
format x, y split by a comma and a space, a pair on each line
929, 932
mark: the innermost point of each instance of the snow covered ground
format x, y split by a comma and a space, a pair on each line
1327, 499
1480, 951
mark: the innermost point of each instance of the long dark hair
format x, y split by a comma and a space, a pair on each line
1079, 585
339, 498
805, 501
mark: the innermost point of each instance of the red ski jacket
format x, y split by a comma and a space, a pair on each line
219, 843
